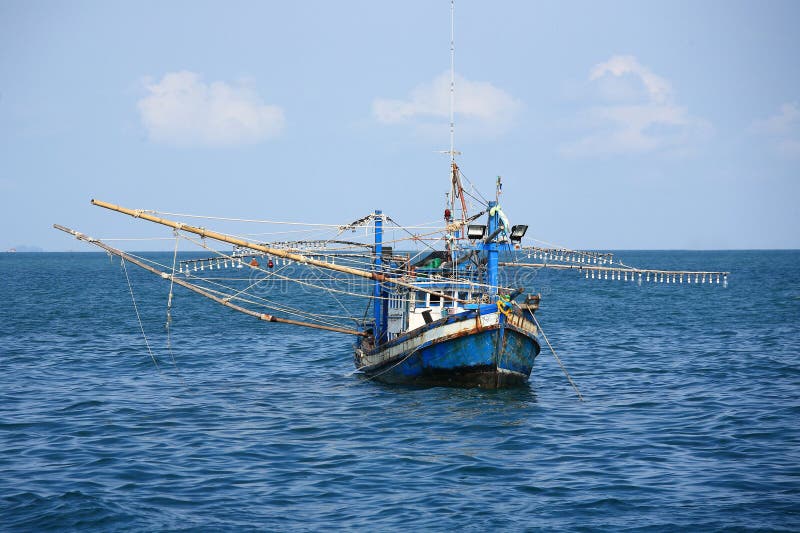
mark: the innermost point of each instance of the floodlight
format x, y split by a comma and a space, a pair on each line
518, 232
476, 231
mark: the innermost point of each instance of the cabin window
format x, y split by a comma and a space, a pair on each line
421, 299
435, 300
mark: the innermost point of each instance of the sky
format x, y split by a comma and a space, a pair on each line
614, 125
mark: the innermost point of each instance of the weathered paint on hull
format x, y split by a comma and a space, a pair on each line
488, 353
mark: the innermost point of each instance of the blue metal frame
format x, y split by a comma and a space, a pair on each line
379, 302
491, 249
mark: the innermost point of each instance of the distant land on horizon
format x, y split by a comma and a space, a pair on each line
24, 248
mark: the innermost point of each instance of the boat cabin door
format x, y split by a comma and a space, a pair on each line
397, 315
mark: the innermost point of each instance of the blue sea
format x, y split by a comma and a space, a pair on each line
691, 418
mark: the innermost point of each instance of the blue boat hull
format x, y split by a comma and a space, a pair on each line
457, 351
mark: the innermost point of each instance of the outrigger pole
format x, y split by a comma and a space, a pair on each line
194, 288
138, 213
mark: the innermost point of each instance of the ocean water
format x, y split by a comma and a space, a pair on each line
691, 418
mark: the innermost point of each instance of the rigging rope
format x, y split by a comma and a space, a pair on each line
229, 219
169, 310
267, 303
139, 318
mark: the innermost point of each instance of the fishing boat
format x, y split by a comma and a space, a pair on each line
451, 323
439, 315
437, 318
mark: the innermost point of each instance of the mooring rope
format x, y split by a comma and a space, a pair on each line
382, 372
563, 368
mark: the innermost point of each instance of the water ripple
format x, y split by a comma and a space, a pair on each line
693, 397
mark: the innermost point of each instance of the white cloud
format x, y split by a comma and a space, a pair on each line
783, 128
181, 109
636, 114
478, 105
658, 89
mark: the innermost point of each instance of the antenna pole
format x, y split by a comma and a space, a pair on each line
457, 191
452, 81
